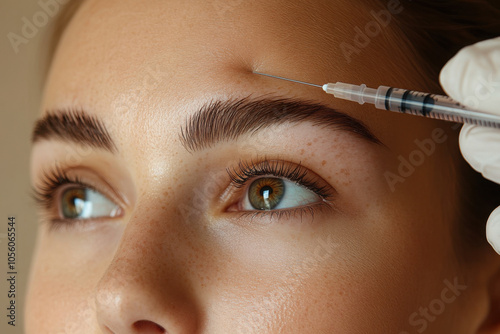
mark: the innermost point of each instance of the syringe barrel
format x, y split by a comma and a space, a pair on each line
431, 105
411, 102
356, 93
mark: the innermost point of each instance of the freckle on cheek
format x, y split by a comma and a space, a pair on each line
323, 162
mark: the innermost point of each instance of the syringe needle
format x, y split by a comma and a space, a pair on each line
297, 81
405, 101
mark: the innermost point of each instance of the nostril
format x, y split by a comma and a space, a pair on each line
148, 327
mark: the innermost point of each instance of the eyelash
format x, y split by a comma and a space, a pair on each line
51, 181
246, 171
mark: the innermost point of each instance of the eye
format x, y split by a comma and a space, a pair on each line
78, 202
270, 193
278, 187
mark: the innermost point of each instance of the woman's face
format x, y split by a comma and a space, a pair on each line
219, 202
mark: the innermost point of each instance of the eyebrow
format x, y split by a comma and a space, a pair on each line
220, 121
75, 126
216, 121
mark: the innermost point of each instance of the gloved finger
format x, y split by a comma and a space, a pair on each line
481, 148
493, 230
472, 76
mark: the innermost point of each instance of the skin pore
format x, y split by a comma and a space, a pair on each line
183, 254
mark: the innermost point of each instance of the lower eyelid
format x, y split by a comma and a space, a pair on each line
306, 212
77, 224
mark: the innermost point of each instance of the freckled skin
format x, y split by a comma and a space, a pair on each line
176, 260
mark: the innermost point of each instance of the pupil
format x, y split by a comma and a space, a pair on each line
266, 191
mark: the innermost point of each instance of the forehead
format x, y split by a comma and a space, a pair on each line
188, 38
155, 62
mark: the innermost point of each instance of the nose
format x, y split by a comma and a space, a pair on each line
119, 313
145, 289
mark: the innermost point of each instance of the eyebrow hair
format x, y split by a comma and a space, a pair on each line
76, 126
216, 121
220, 121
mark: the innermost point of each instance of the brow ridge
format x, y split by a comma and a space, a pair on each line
223, 121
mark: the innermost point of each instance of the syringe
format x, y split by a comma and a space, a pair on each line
406, 101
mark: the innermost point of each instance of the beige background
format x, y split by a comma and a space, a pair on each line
20, 94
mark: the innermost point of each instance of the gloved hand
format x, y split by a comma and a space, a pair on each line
472, 77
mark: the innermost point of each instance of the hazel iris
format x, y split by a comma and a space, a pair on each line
266, 193
73, 202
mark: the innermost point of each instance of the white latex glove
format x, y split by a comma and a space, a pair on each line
472, 77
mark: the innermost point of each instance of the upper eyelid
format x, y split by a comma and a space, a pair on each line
266, 169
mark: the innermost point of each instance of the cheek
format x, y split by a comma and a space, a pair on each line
370, 287
65, 273
330, 292
59, 308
